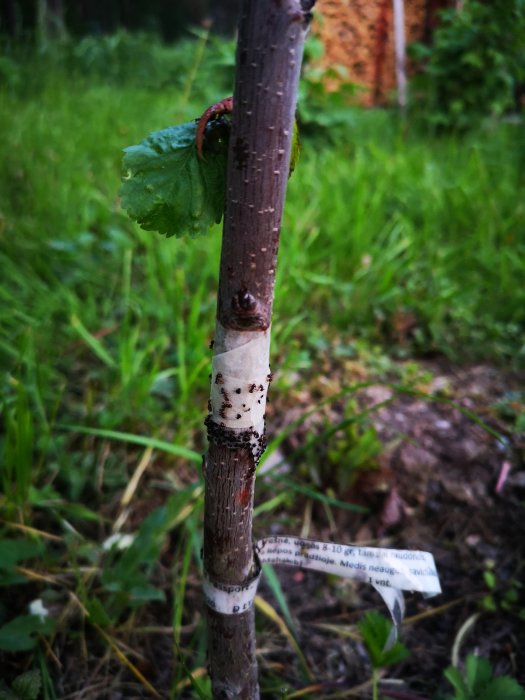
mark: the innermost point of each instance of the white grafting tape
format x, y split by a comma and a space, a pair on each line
240, 378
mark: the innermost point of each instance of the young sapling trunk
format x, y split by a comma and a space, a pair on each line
269, 53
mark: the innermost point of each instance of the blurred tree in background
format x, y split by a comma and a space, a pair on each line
475, 65
51, 18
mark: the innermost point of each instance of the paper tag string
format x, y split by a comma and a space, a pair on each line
407, 570
389, 571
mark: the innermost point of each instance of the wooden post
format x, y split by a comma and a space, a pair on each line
400, 52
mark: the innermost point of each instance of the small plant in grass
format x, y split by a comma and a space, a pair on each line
22, 632
382, 647
501, 595
341, 451
511, 407
26, 687
478, 682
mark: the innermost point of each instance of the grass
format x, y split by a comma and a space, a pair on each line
392, 238
394, 227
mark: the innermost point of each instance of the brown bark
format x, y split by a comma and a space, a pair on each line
269, 52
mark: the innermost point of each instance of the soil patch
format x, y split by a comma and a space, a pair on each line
450, 479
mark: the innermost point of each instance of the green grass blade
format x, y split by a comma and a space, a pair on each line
323, 498
276, 588
143, 440
269, 504
94, 343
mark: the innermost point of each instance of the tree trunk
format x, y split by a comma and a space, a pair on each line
50, 21
269, 53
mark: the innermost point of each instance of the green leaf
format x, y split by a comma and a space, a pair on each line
127, 573
145, 593
503, 688
195, 684
395, 654
16, 550
77, 510
490, 579
168, 188
317, 495
478, 673
21, 633
375, 629
138, 440
477, 683
97, 612
96, 345
28, 685
454, 677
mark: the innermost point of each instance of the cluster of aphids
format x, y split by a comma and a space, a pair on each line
231, 438
254, 387
249, 439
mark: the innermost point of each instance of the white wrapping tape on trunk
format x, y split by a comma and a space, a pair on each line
228, 598
240, 378
389, 571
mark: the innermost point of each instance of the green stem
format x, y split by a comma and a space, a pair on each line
375, 684
199, 56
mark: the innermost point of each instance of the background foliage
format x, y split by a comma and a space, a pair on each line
475, 65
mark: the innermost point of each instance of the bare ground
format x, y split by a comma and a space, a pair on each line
450, 480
